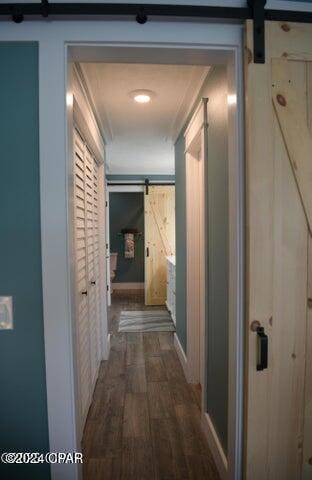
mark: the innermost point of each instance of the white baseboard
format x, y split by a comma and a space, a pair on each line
128, 286
107, 347
181, 355
211, 435
170, 313
215, 447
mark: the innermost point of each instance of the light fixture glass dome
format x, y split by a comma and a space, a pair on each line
142, 96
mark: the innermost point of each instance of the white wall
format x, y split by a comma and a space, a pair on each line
152, 158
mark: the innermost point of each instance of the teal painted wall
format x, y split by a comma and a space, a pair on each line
126, 210
180, 201
215, 88
23, 404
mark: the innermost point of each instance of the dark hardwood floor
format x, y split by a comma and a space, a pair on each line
144, 421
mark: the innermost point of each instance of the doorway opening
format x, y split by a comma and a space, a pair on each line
162, 161
126, 241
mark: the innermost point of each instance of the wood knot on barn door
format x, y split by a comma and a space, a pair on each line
285, 27
255, 325
249, 55
281, 100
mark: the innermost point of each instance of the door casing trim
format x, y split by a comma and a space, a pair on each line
59, 44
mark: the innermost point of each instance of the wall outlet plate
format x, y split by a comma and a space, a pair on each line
6, 313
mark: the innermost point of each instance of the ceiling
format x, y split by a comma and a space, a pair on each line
140, 137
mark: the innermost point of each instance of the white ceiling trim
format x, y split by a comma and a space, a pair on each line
84, 116
103, 120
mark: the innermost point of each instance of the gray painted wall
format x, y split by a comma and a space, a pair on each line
180, 202
23, 404
218, 254
126, 210
215, 88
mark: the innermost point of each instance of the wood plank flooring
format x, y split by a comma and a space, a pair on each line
144, 421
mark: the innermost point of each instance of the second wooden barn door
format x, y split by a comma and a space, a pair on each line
159, 218
279, 266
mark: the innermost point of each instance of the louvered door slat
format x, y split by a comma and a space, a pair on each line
90, 166
82, 319
86, 223
96, 257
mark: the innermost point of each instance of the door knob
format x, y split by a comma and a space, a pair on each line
262, 349
85, 292
93, 282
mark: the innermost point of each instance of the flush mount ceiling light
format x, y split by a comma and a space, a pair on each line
142, 96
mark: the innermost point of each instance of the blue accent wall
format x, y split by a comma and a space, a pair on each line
23, 403
126, 210
180, 202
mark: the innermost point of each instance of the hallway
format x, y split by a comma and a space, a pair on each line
144, 421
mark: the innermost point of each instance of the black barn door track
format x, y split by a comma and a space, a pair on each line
142, 13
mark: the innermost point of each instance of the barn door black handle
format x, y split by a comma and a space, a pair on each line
262, 349
147, 251
146, 186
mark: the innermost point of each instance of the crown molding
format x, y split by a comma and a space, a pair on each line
102, 120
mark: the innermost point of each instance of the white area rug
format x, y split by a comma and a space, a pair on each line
145, 321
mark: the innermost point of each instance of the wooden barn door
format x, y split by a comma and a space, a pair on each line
278, 442
159, 218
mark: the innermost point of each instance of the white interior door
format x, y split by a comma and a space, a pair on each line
91, 262
195, 140
81, 274
108, 280
95, 281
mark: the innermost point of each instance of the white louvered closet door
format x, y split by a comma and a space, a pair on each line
81, 266
97, 259
87, 271
89, 164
